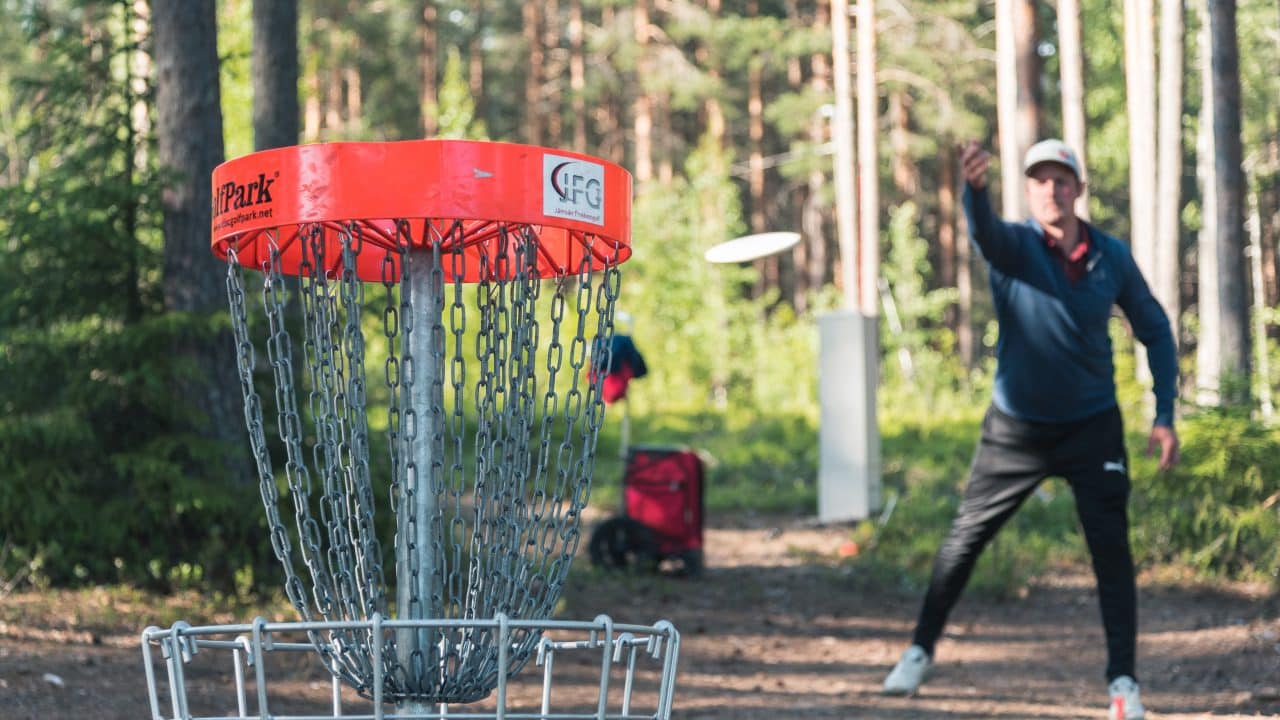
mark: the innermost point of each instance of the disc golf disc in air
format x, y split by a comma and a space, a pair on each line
752, 247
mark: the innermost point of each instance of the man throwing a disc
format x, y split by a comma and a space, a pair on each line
1054, 280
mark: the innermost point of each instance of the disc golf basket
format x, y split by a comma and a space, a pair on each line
428, 311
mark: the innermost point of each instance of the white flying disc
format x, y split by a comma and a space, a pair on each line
752, 247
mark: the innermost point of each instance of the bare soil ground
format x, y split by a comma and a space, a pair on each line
777, 627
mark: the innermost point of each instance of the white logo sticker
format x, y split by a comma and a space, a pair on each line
573, 189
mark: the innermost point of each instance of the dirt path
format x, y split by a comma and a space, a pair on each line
802, 639
778, 629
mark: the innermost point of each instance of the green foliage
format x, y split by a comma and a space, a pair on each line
1219, 511
99, 479
918, 346
1107, 117
685, 320
941, 57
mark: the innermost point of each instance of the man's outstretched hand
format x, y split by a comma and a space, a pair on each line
1164, 437
974, 162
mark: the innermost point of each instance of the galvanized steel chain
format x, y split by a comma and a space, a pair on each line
279, 353
491, 444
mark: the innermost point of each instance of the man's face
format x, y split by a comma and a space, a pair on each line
1052, 190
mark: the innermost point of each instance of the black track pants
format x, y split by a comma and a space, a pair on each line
1013, 457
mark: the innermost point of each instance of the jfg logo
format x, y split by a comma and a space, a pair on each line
573, 189
234, 196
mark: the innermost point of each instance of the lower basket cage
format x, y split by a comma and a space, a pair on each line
595, 669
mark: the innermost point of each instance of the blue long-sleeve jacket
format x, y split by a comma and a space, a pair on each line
1053, 356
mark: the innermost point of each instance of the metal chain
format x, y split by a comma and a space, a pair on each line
363, 569
278, 346
508, 426
319, 311
391, 272
245, 362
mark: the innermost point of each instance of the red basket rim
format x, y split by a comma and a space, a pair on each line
573, 203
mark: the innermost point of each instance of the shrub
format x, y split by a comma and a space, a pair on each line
1219, 510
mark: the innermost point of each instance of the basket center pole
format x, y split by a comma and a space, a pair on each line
419, 552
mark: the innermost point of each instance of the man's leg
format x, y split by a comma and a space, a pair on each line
1101, 488
1006, 469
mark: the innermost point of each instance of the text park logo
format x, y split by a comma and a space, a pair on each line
236, 196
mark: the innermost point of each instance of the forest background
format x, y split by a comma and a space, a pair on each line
122, 457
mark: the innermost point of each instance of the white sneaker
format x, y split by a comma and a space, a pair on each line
910, 671
1125, 701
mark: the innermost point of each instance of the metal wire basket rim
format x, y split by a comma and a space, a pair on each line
602, 623
182, 642
442, 715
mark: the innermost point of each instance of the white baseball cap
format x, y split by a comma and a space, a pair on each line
1054, 151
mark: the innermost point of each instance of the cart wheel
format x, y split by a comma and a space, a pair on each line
621, 543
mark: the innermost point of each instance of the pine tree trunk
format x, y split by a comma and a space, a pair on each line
1208, 306
845, 157
1229, 174
1267, 208
663, 136
755, 136
816, 270
475, 64
906, 176
964, 289
189, 130
1271, 230
577, 77
788, 284
1168, 258
275, 97
275, 74
333, 102
428, 72
947, 229
189, 125
552, 99
609, 110
312, 111
1259, 334
768, 275
643, 108
1013, 39
1139, 56
533, 110
868, 164
713, 112
1140, 91
354, 89
1269, 211
1071, 62
1030, 110
138, 67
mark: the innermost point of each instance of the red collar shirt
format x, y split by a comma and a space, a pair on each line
1075, 264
